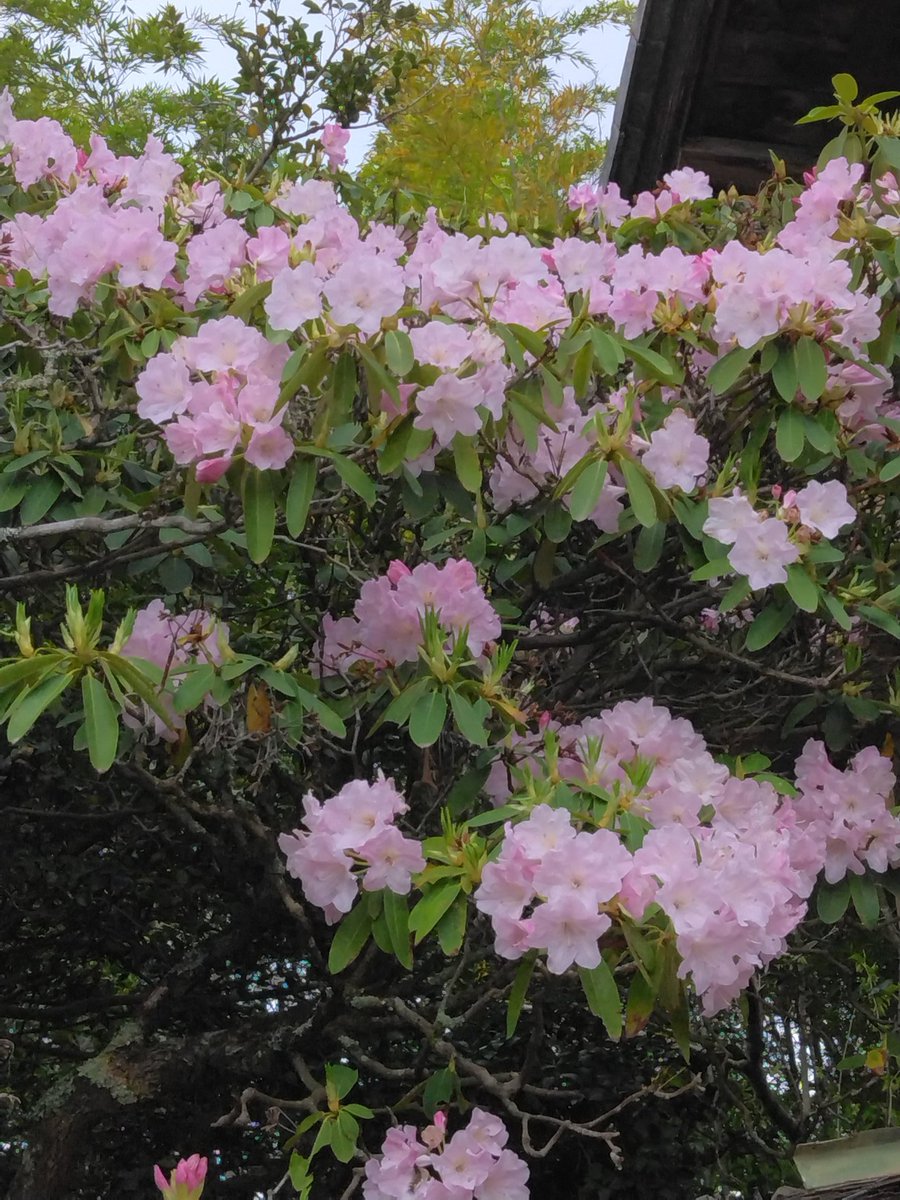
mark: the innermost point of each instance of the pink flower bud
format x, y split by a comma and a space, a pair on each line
212, 469
544, 720
186, 1182
397, 570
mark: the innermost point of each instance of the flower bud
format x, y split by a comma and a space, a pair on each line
186, 1182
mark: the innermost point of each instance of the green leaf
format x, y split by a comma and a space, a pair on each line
438, 1090
715, 569
784, 374
451, 928
654, 364
736, 594
891, 469
845, 86
340, 1080
832, 900
585, 495
468, 465
638, 1009
582, 370
101, 720
195, 686
812, 369
790, 434
519, 991
39, 499
328, 718
432, 906
299, 496
557, 522
259, 513
344, 1135
299, 1172
352, 934
767, 625
244, 305
610, 354
801, 588
355, 478
427, 719
397, 916
470, 717
865, 899
725, 373
29, 707
649, 546
642, 499
603, 997
838, 611
398, 349
876, 616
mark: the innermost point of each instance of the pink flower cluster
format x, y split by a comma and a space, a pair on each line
170, 643
474, 1164
760, 546
386, 628
677, 455
187, 1180
216, 394
520, 473
351, 835
734, 884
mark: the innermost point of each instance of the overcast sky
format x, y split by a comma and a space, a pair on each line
605, 48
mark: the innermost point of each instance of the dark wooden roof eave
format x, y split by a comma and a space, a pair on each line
667, 50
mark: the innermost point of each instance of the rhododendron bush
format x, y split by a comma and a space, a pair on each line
449, 677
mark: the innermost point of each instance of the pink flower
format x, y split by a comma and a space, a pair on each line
584, 196
449, 406
164, 388
730, 517
334, 143
763, 553
824, 507
296, 297
393, 859
678, 456
464, 1163
187, 1180
688, 184
508, 1179
365, 291
568, 927
270, 447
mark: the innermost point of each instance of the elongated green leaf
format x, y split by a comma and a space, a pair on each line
194, 687
28, 670
26, 710
451, 928
784, 374
468, 465
259, 513
352, 934
649, 546
790, 434
397, 916
891, 469
328, 718
724, 374
639, 492
398, 350
432, 906
557, 522
470, 718
864, 894
519, 991
876, 616
609, 351
101, 720
340, 1080
427, 719
767, 625
838, 611
639, 1007
602, 994
582, 370
801, 588
812, 370
299, 496
585, 495
654, 364
40, 498
832, 900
